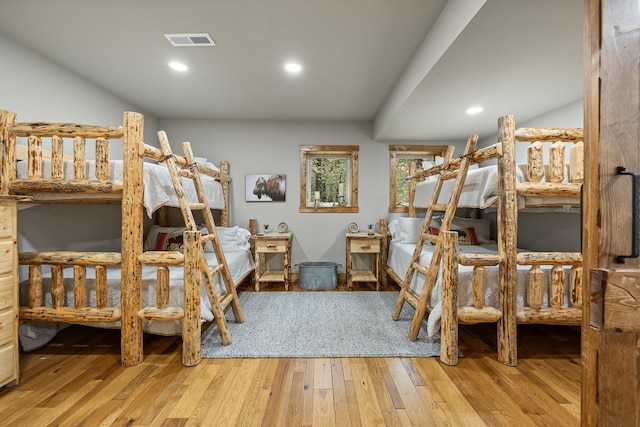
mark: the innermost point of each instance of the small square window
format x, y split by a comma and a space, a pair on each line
328, 178
400, 159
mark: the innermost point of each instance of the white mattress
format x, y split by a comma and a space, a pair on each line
36, 334
158, 188
400, 257
481, 191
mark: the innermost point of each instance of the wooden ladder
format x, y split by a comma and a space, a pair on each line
446, 171
190, 171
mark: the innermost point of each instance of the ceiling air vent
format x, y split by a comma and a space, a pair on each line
195, 39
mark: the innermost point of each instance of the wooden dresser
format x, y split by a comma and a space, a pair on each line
9, 371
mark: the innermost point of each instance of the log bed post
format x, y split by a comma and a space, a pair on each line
412, 190
132, 216
384, 252
224, 215
449, 320
191, 327
507, 243
7, 151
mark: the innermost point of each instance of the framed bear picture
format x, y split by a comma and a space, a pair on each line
265, 187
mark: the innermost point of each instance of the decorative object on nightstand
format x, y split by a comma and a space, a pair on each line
370, 231
272, 243
363, 243
283, 227
353, 227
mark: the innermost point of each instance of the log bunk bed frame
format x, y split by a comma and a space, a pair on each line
508, 315
128, 193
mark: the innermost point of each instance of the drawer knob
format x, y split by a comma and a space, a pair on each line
365, 246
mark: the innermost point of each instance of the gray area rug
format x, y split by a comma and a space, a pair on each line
319, 324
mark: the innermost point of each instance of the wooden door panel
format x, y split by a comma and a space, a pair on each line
611, 341
615, 300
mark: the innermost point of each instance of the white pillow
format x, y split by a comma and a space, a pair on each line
244, 238
228, 237
410, 229
232, 239
394, 229
211, 166
481, 227
201, 160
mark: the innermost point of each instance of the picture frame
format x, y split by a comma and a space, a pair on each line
265, 187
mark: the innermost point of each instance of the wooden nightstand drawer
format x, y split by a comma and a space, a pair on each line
6, 222
366, 246
6, 257
271, 245
6, 293
6, 325
7, 364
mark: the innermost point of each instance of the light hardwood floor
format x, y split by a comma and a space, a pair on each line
77, 380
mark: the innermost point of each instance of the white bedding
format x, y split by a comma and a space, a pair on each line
158, 189
400, 256
35, 334
481, 191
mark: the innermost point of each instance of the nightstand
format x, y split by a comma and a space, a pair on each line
363, 243
272, 243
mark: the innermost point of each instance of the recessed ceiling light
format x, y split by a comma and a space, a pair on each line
474, 110
292, 67
178, 66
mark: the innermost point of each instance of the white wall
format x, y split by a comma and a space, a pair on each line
39, 90
273, 147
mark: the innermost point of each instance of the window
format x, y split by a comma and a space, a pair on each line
328, 178
400, 158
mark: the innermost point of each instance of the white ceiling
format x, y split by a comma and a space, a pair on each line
410, 66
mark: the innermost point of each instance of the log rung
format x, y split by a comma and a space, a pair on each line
70, 258
157, 258
430, 237
186, 173
439, 207
226, 300
216, 269
550, 316
411, 297
472, 315
37, 185
162, 314
540, 189
197, 206
479, 259
421, 268
68, 314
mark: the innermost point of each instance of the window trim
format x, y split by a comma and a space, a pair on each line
407, 150
351, 152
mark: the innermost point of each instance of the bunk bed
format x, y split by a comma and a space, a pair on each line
142, 286
496, 281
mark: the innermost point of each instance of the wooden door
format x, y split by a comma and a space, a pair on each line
611, 317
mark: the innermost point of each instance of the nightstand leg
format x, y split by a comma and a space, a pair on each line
287, 267
349, 268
